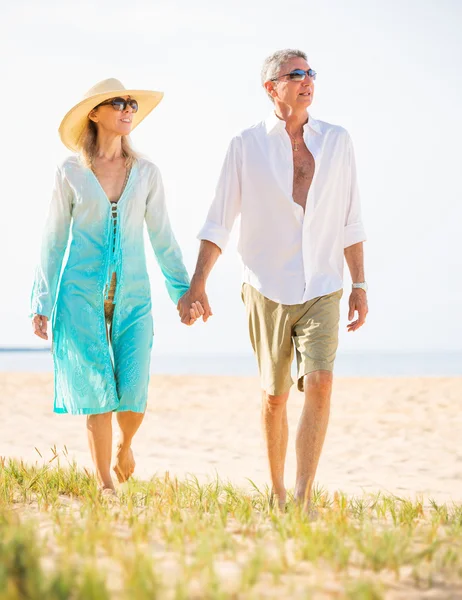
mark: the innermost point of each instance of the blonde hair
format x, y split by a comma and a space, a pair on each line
88, 143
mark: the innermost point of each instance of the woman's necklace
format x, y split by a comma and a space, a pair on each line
127, 175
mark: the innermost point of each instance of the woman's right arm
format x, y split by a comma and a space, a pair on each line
54, 244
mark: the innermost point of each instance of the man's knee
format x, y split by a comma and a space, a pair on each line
319, 382
274, 402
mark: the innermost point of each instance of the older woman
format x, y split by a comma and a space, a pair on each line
100, 304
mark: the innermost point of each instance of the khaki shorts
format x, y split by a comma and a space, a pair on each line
275, 328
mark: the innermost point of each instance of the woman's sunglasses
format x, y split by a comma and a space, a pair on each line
298, 75
121, 104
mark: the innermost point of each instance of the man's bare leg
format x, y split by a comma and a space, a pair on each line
99, 430
311, 432
276, 432
129, 423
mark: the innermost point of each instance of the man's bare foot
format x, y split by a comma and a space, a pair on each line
278, 500
311, 512
306, 506
125, 463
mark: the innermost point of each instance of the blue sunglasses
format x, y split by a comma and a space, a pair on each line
298, 75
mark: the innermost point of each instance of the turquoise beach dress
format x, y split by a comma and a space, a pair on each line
93, 375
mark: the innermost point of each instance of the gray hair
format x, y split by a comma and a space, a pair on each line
273, 64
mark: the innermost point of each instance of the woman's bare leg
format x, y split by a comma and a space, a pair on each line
99, 429
129, 423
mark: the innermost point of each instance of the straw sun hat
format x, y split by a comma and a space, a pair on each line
73, 124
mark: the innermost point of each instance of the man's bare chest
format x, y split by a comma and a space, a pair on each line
304, 166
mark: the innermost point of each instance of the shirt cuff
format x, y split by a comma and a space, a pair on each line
214, 233
39, 310
354, 234
176, 292
40, 305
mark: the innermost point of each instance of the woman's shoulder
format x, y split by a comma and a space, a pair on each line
71, 166
146, 166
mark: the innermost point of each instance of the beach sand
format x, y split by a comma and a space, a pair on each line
399, 435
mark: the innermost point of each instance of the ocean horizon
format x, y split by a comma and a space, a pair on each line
348, 364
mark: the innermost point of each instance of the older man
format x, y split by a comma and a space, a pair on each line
293, 181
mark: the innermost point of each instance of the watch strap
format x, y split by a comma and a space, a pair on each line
360, 286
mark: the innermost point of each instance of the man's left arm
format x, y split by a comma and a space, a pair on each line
354, 236
354, 255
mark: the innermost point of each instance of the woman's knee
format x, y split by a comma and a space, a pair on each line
100, 419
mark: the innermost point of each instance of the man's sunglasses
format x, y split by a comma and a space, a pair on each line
298, 75
121, 104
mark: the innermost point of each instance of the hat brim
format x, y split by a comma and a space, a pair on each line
73, 124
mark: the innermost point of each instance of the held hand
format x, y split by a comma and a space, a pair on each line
195, 312
39, 326
358, 303
185, 306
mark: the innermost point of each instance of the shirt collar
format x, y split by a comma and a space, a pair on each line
274, 124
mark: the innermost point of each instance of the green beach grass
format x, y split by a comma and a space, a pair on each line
184, 540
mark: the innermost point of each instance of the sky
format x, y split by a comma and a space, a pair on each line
389, 72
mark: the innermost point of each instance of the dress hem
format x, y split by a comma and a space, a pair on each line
99, 411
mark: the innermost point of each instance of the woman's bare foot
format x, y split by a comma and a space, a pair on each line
107, 492
125, 463
109, 495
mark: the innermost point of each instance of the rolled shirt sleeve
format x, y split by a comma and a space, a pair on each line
226, 204
164, 244
53, 248
354, 231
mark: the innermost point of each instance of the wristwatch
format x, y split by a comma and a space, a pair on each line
360, 286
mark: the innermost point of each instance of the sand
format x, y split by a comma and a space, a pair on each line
398, 435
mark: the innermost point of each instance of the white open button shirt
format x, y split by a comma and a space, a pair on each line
290, 256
